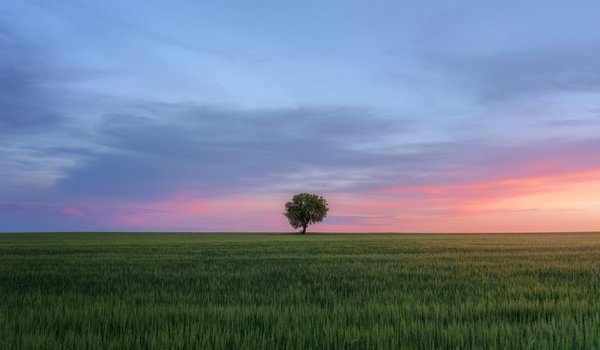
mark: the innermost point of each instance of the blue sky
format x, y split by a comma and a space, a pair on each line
141, 115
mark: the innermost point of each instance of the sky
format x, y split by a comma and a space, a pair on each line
408, 116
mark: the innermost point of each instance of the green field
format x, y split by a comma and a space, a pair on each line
242, 291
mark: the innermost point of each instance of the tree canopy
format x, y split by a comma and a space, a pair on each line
306, 209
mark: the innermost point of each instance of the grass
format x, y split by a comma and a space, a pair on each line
220, 291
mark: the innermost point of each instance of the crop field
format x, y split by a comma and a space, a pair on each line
269, 291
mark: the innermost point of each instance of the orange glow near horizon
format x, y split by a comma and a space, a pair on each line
565, 202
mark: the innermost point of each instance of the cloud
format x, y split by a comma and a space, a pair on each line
169, 148
524, 72
26, 103
115, 24
549, 202
214, 151
213, 155
67, 216
498, 120
561, 123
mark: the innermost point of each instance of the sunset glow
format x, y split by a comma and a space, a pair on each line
408, 117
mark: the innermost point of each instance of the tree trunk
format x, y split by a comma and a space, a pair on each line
304, 229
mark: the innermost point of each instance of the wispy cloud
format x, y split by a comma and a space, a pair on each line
27, 104
217, 150
412, 116
528, 73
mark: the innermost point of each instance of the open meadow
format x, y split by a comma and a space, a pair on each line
272, 291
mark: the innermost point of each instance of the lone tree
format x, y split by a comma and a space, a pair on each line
305, 209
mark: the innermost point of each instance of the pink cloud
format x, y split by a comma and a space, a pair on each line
186, 212
71, 212
564, 201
